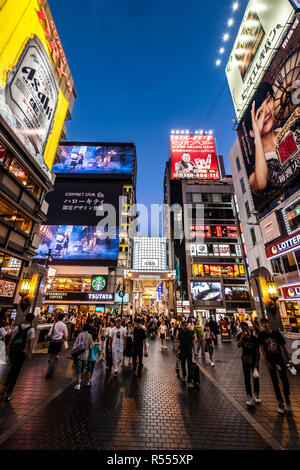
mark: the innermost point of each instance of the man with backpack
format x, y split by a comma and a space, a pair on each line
19, 349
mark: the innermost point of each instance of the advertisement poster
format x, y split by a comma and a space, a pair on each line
206, 291
269, 132
78, 242
262, 28
78, 203
102, 159
7, 289
35, 84
194, 157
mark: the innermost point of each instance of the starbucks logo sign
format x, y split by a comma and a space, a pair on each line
98, 283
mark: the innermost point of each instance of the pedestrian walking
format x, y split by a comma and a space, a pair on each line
72, 325
273, 347
19, 349
250, 360
57, 334
186, 348
117, 344
128, 342
198, 332
94, 356
209, 338
86, 341
162, 332
138, 344
213, 325
108, 352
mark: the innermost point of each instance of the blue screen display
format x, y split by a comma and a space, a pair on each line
105, 159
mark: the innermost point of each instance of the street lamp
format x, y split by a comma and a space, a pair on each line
273, 296
25, 288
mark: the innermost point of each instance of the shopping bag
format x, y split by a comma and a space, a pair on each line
70, 371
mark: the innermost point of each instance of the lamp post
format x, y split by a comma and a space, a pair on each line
273, 296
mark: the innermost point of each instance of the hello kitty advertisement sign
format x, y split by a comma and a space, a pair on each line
194, 157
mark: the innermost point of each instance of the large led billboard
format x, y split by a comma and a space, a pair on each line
263, 26
77, 242
35, 81
80, 203
194, 157
269, 131
206, 291
102, 158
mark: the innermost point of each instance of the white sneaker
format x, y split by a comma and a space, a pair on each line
77, 387
166, 348
212, 364
88, 383
190, 385
257, 399
250, 401
280, 408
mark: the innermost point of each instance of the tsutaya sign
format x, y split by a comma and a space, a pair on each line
79, 296
262, 28
284, 246
291, 293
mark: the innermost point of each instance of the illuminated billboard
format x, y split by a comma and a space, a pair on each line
269, 131
78, 242
74, 203
262, 28
35, 81
100, 159
206, 291
194, 157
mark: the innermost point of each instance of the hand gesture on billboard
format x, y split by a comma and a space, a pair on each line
258, 119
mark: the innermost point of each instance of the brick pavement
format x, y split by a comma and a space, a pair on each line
229, 375
126, 413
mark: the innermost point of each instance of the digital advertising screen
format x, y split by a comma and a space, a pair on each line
194, 157
262, 28
77, 203
100, 159
206, 291
36, 85
269, 132
78, 242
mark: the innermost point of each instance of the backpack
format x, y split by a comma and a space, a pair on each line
19, 342
78, 348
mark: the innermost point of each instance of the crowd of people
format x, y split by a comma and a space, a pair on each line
117, 340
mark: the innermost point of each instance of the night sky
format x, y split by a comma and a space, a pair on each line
144, 67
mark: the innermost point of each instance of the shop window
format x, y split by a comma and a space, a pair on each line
10, 265
291, 215
10, 214
70, 284
3, 153
218, 270
18, 172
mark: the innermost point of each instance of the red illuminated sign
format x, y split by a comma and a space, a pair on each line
55, 45
194, 157
291, 293
283, 246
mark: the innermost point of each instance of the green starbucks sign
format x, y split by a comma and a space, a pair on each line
98, 283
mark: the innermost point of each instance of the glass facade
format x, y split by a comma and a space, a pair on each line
150, 254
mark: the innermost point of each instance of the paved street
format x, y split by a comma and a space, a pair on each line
154, 412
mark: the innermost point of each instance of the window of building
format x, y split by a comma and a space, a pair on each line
253, 236
238, 163
247, 207
10, 265
258, 262
207, 197
218, 270
196, 197
243, 185
10, 214
71, 284
3, 153
226, 197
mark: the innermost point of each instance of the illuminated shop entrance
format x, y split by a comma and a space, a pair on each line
151, 279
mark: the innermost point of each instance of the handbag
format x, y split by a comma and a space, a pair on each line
78, 349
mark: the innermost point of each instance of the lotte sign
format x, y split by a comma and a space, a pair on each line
283, 246
291, 293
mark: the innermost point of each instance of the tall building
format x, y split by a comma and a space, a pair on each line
36, 97
266, 77
86, 233
208, 253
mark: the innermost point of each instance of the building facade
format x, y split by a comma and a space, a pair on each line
267, 180
212, 278
86, 233
36, 97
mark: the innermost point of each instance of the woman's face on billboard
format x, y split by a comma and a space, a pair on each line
186, 157
269, 105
